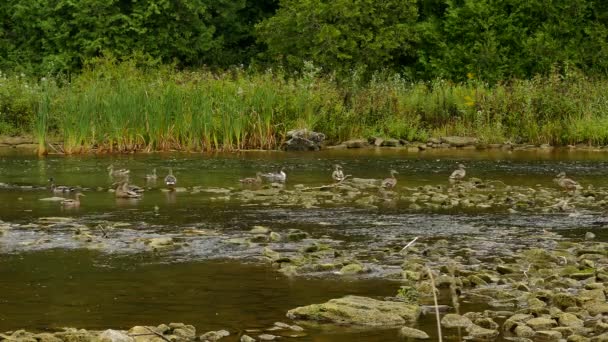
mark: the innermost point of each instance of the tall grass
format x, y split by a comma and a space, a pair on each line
118, 107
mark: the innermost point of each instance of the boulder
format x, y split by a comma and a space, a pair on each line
212, 336
352, 269
356, 143
114, 336
48, 337
390, 143
570, 320
408, 332
541, 323
478, 333
459, 141
455, 321
357, 310
246, 338
303, 140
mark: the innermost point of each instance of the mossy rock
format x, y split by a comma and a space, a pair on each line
355, 310
352, 269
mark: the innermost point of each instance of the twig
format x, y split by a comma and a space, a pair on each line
409, 244
157, 334
103, 231
436, 304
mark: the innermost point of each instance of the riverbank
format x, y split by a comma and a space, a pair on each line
121, 108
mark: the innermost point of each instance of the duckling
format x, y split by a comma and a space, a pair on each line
390, 183
280, 176
338, 175
123, 191
60, 189
117, 173
566, 183
152, 176
170, 180
459, 173
251, 180
72, 203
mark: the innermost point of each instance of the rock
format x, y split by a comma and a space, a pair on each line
478, 333
541, 323
459, 141
563, 300
505, 269
596, 308
75, 335
414, 333
522, 330
269, 253
356, 143
114, 336
267, 337
589, 236
47, 337
390, 143
246, 338
357, 310
296, 235
570, 320
160, 242
352, 269
455, 321
548, 335
182, 330
259, 230
274, 237
212, 336
303, 140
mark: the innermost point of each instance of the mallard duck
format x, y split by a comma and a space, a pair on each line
117, 173
280, 176
60, 189
123, 191
337, 175
251, 180
566, 183
152, 176
390, 183
170, 180
72, 203
459, 173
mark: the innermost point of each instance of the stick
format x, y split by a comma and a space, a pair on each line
436, 304
157, 334
409, 244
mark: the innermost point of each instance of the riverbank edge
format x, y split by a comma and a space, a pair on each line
54, 146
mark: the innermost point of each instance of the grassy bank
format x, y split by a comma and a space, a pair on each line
118, 107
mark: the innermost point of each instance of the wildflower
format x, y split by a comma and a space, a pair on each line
470, 75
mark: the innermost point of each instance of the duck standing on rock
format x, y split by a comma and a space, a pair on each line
72, 203
279, 177
338, 175
123, 191
458, 174
390, 182
566, 183
60, 189
252, 180
170, 179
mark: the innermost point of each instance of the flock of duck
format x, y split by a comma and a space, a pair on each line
125, 190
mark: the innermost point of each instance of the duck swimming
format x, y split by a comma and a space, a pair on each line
251, 180
390, 183
170, 179
337, 175
569, 184
72, 203
60, 189
280, 176
459, 173
117, 173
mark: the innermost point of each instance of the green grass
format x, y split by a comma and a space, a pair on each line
117, 107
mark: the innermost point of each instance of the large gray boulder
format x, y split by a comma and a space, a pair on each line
355, 310
303, 140
459, 141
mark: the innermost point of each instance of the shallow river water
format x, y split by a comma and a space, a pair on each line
49, 280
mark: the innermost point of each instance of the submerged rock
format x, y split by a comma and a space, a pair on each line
414, 333
357, 310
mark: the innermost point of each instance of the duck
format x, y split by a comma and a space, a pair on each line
123, 191
117, 173
60, 189
72, 203
338, 175
390, 182
152, 176
170, 179
280, 176
459, 173
566, 183
252, 180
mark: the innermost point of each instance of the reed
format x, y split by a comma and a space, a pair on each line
119, 107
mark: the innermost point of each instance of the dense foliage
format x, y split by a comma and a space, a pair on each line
491, 39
